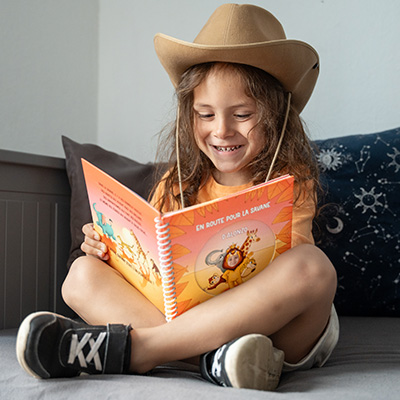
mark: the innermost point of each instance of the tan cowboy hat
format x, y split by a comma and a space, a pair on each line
245, 34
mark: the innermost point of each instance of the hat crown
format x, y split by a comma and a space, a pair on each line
236, 24
250, 35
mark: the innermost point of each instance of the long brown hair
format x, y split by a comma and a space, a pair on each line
295, 156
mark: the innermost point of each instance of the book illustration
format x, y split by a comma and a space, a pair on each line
182, 258
224, 269
257, 241
103, 224
128, 250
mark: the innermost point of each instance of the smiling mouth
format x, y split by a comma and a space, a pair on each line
227, 149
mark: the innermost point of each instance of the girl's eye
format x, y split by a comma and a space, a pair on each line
243, 116
205, 116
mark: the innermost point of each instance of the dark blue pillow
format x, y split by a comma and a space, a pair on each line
359, 226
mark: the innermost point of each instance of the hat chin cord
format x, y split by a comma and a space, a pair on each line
178, 164
281, 137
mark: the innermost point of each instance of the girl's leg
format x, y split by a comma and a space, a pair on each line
100, 295
290, 301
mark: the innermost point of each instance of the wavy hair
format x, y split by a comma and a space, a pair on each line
295, 156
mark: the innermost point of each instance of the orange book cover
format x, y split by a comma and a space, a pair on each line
182, 258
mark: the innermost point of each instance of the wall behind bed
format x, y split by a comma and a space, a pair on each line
87, 69
48, 73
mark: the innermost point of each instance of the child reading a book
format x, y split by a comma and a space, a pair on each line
240, 88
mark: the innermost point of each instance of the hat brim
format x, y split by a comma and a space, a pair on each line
293, 63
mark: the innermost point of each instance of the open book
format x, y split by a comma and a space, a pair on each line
182, 258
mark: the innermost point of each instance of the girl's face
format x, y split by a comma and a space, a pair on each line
224, 118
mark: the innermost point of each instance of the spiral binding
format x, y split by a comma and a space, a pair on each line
167, 272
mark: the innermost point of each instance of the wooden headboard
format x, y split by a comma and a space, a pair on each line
34, 235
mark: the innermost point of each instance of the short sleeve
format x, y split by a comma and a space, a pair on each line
303, 215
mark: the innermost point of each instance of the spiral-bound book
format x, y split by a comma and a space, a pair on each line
182, 258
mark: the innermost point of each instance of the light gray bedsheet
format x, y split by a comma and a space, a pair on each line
365, 365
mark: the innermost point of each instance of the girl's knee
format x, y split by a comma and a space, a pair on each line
313, 271
77, 280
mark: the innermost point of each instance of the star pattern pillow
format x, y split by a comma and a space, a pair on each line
359, 224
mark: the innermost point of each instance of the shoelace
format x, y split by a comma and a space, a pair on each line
216, 366
76, 350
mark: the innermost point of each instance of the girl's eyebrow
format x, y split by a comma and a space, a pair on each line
201, 105
239, 105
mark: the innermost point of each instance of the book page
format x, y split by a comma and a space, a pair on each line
220, 244
125, 222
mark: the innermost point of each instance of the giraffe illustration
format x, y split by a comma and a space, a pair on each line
124, 249
140, 255
142, 261
251, 237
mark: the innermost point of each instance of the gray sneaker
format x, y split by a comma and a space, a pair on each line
248, 362
51, 346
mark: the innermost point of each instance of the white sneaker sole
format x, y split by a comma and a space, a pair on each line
22, 338
252, 362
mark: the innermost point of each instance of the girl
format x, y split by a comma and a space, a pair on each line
240, 87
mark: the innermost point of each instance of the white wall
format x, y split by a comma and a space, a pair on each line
48, 73
357, 92
87, 68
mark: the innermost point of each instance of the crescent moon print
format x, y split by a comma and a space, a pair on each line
329, 159
338, 228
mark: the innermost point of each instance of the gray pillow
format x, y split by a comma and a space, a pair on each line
138, 177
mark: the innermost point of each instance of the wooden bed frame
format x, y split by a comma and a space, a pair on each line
34, 241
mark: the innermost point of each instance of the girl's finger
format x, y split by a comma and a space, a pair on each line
89, 231
101, 252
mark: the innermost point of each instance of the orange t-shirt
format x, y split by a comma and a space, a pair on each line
303, 210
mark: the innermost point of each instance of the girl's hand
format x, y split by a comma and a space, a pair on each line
92, 245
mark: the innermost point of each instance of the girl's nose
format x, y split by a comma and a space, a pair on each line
223, 128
